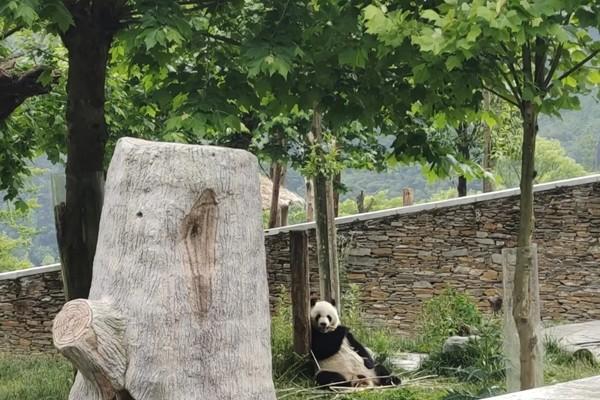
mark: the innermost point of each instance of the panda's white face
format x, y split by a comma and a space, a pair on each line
324, 317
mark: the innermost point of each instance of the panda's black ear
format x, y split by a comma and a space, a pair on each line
333, 302
313, 301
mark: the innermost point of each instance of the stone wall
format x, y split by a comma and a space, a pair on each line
399, 258
29, 300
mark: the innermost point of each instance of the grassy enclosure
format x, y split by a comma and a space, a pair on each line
477, 372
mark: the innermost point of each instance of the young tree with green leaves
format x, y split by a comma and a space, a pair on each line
536, 55
311, 57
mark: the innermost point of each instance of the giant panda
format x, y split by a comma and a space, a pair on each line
342, 360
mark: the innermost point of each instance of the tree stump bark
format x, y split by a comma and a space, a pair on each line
178, 307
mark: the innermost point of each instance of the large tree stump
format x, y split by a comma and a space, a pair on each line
178, 307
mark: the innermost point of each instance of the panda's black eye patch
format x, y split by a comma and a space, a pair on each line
329, 318
318, 316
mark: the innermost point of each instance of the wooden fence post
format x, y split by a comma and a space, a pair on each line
408, 197
300, 291
284, 211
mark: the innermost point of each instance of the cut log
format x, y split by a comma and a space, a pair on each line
178, 307
90, 334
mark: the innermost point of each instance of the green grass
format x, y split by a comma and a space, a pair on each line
560, 366
34, 377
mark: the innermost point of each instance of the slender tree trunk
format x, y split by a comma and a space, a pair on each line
326, 231
284, 213
488, 184
337, 183
461, 187
276, 176
360, 202
310, 200
408, 197
597, 159
463, 150
88, 43
521, 292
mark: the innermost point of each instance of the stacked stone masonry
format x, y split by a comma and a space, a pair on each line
28, 305
398, 259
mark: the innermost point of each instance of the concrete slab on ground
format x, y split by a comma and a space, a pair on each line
581, 389
408, 361
577, 338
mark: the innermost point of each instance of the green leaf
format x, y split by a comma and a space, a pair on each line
499, 5
353, 57
452, 62
430, 15
439, 121
474, 33
594, 77
489, 119
179, 99
45, 77
485, 13
21, 205
150, 39
570, 81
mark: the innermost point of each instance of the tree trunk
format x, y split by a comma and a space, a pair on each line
326, 240
521, 292
337, 184
283, 215
310, 200
408, 197
461, 187
597, 159
88, 43
276, 177
488, 184
178, 307
463, 150
360, 202
326, 231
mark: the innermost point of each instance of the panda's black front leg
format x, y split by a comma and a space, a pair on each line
359, 348
329, 378
385, 376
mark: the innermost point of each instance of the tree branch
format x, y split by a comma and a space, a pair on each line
9, 32
221, 38
503, 97
578, 65
14, 90
515, 89
541, 49
527, 63
553, 65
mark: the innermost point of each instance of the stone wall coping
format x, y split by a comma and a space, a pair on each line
475, 198
29, 271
